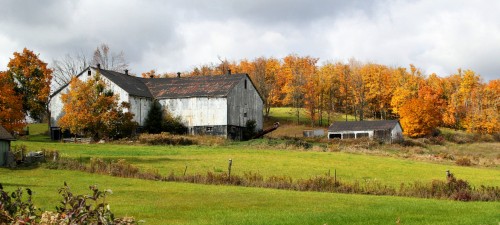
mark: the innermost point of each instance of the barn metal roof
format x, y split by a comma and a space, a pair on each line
178, 87
131, 84
5, 135
363, 125
200, 86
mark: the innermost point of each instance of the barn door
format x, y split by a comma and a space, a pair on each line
4, 148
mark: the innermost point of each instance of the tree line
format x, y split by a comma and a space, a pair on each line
422, 102
365, 90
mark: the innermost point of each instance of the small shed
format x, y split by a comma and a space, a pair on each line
385, 130
5, 139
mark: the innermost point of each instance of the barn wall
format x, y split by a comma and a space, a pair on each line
397, 133
140, 106
243, 100
198, 111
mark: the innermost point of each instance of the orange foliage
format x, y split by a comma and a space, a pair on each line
32, 79
11, 106
90, 109
422, 114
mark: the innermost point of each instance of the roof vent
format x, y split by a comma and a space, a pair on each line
98, 66
178, 74
126, 72
229, 72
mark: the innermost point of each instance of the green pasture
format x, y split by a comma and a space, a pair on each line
250, 157
158, 202
288, 115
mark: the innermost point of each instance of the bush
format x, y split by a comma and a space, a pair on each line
464, 161
165, 139
249, 130
74, 209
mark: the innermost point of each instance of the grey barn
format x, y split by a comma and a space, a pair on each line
215, 105
384, 130
5, 139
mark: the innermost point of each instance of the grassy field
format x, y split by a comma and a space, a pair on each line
178, 203
288, 115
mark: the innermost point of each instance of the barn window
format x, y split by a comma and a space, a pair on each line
209, 129
245, 84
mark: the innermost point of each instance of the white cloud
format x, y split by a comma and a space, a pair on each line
437, 36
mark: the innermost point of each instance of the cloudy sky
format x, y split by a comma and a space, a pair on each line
176, 35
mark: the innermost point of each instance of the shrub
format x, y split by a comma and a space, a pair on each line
165, 139
464, 161
74, 209
249, 130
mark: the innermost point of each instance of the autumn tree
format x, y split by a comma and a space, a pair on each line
330, 89
263, 73
298, 73
92, 110
32, 78
109, 60
421, 114
12, 116
377, 79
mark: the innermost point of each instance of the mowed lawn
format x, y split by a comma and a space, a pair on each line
179, 203
267, 162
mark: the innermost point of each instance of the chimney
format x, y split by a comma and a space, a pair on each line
229, 72
89, 73
178, 74
98, 66
126, 72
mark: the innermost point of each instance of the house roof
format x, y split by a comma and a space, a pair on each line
200, 86
131, 84
5, 135
363, 125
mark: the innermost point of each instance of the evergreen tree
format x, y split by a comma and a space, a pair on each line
154, 120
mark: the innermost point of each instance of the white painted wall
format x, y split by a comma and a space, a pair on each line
198, 111
397, 132
241, 101
139, 106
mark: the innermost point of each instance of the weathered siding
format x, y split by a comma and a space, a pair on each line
244, 104
139, 106
397, 133
198, 111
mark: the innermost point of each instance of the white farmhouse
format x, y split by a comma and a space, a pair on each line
384, 130
217, 105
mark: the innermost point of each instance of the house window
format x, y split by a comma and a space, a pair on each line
245, 84
209, 129
244, 114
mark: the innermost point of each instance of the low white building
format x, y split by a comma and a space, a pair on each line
384, 130
217, 105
